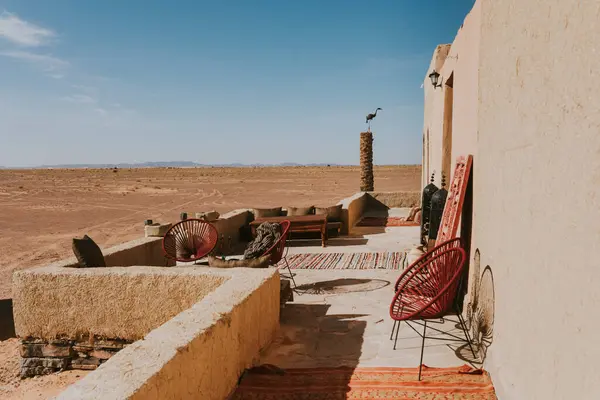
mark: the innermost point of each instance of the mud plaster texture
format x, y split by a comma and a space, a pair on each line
200, 353
118, 302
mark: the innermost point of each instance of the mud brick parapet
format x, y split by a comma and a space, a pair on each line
41, 357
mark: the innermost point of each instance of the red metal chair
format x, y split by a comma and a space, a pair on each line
190, 240
277, 250
449, 244
430, 295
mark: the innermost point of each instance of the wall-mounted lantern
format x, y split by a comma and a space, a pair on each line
434, 76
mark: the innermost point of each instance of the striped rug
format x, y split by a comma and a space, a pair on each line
366, 383
386, 260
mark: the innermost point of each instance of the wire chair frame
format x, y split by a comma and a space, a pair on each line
279, 250
429, 292
190, 240
449, 244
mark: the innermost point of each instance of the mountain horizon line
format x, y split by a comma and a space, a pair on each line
183, 164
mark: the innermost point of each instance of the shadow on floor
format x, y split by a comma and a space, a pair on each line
308, 338
7, 322
338, 286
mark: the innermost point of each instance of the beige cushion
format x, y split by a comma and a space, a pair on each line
292, 211
260, 262
267, 212
334, 213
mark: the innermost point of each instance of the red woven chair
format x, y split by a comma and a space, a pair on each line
431, 295
449, 244
190, 240
277, 250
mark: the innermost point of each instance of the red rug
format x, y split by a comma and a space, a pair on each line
365, 383
386, 221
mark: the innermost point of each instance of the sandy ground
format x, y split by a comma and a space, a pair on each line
42, 210
40, 387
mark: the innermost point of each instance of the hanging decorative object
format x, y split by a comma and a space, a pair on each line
428, 192
438, 201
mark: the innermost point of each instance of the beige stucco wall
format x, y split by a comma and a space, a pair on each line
200, 353
534, 136
433, 123
353, 208
229, 224
116, 302
538, 198
461, 61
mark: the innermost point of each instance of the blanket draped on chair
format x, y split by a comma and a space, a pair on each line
266, 235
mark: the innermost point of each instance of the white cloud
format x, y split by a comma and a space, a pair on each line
80, 98
101, 111
18, 31
52, 66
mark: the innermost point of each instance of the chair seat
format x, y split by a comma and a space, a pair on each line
408, 304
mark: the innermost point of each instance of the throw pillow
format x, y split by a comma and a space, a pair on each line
292, 211
88, 253
260, 262
267, 212
334, 213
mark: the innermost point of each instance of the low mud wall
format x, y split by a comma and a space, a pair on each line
77, 318
353, 208
201, 352
385, 200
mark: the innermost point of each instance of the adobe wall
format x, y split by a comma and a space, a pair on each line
433, 119
463, 63
227, 328
537, 194
394, 199
460, 60
116, 302
353, 208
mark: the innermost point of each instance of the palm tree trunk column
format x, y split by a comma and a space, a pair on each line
366, 162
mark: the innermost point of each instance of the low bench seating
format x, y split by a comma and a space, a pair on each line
303, 219
302, 223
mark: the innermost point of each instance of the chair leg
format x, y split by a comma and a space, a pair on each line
466, 332
422, 347
397, 329
290, 271
393, 327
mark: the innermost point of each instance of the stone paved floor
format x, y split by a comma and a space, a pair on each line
324, 327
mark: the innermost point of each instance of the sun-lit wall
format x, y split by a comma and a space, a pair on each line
533, 132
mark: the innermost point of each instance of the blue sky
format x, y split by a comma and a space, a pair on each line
215, 82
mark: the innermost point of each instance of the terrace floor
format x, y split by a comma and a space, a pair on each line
341, 317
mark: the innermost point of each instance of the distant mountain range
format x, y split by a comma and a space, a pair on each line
173, 164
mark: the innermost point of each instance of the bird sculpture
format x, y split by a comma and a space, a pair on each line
371, 116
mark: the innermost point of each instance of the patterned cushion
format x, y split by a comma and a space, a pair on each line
334, 213
260, 262
88, 253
